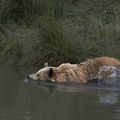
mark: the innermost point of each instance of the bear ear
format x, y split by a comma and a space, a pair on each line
46, 65
50, 72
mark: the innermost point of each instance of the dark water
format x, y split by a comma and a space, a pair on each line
21, 100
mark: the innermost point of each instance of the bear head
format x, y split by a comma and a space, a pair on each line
43, 74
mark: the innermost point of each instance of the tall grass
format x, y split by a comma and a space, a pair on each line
39, 31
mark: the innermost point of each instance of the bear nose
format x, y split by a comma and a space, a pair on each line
28, 77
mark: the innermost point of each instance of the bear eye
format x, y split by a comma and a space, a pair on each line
37, 74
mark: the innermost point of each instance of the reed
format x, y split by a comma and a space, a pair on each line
57, 31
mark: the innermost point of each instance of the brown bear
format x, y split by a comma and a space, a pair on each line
77, 73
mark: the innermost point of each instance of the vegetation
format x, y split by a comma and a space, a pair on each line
33, 32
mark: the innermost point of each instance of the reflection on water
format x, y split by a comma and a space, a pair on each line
107, 94
109, 99
21, 100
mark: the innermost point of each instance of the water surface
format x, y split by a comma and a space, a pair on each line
21, 100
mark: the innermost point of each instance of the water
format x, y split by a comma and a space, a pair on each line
20, 100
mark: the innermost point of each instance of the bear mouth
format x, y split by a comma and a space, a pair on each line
30, 79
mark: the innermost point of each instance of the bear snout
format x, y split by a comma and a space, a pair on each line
33, 77
29, 77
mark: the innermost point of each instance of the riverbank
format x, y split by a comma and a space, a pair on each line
35, 33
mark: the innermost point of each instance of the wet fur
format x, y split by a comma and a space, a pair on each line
78, 73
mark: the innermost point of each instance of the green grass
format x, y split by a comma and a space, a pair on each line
33, 32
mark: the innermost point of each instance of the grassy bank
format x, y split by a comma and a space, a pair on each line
33, 32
